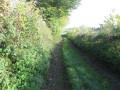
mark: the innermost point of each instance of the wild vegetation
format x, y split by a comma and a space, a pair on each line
56, 12
81, 75
29, 32
103, 44
25, 51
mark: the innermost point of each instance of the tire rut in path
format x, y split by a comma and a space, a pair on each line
57, 79
112, 77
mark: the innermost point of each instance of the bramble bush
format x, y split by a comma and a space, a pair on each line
26, 44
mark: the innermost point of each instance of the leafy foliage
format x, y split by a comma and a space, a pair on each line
81, 75
102, 44
26, 44
57, 8
56, 12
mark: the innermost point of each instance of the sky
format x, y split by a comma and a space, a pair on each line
92, 12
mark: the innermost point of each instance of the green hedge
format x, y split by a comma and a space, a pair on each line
99, 44
26, 44
81, 76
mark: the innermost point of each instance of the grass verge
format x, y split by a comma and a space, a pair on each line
81, 75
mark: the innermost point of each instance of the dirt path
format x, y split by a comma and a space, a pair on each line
57, 79
113, 78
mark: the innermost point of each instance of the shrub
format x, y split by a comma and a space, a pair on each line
102, 45
26, 44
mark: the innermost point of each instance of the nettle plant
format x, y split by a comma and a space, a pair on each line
25, 47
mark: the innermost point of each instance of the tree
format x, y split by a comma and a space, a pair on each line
57, 7
54, 10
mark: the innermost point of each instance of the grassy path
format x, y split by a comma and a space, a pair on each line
106, 72
70, 70
57, 79
81, 75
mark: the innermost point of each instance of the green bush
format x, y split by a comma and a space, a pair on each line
80, 75
26, 44
103, 45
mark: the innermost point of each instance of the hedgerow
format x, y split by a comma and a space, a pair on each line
26, 44
81, 76
103, 45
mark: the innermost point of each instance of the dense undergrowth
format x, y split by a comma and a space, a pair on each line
29, 32
103, 44
81, 75
26, 44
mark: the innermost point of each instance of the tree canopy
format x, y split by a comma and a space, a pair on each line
58, 7
54, 10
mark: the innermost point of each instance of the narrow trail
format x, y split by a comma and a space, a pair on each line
57, 79
112, 77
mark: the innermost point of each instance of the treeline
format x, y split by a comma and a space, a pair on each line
29, 32
25, 47
102, 44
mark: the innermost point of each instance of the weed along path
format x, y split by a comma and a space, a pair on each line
71, 69
112, 77
57, 79
82, 74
